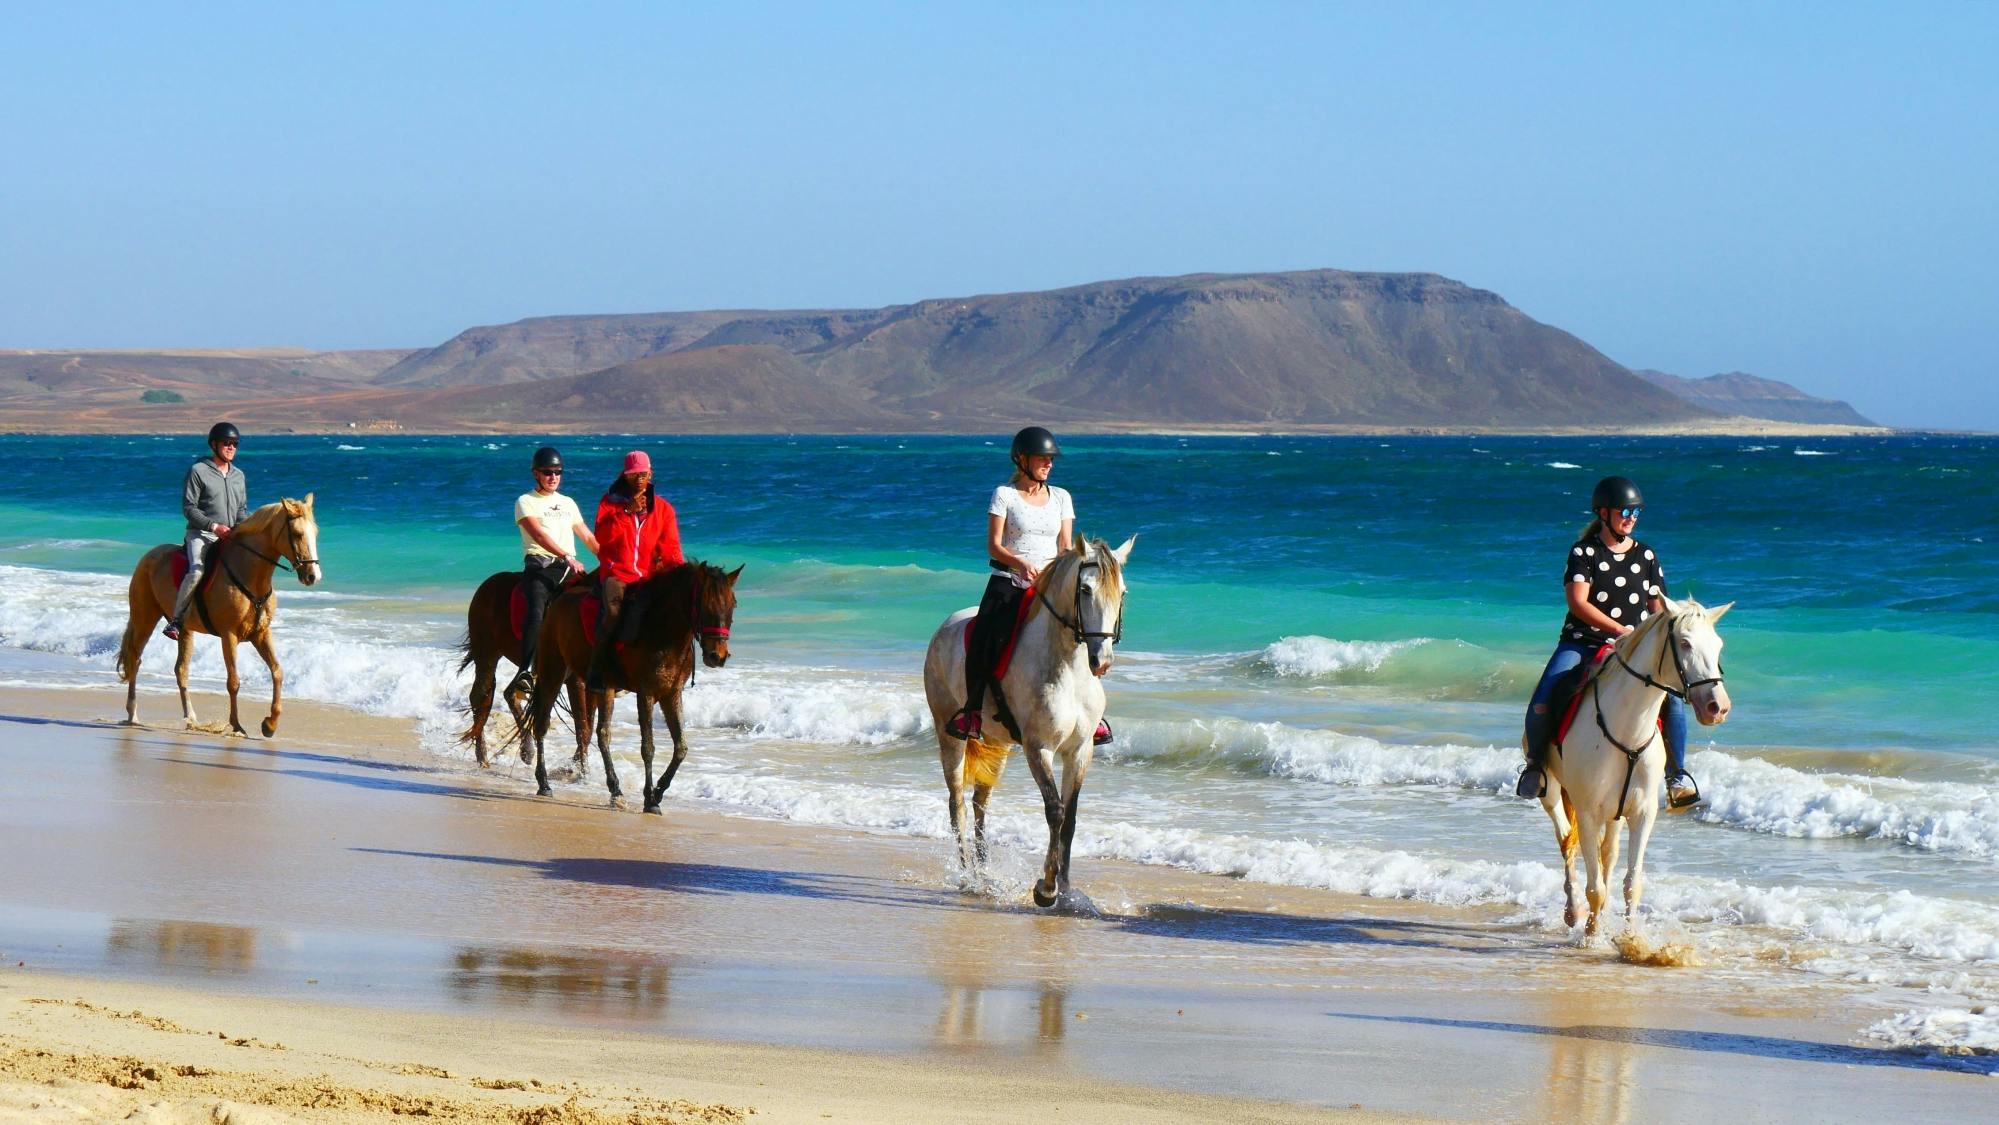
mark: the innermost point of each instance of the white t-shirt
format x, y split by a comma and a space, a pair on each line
558, 517
1031, 532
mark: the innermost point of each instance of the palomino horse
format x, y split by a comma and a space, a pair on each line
489, 635
1053, 685
676, 610
237, 604
1611, 764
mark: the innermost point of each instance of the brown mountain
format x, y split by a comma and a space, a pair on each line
1752, 396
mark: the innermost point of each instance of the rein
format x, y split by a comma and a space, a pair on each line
1116, 632
1631, 755
718, 632
259, 604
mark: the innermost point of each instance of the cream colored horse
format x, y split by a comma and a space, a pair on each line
1053, 687
237, 604
1612, 764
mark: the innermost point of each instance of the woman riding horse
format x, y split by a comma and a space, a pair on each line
637, 535
1614, 582
1028, 523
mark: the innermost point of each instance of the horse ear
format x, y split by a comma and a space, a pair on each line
735, 574
308, 501
1672, 607
1714, 614
1124, 552
1083, 547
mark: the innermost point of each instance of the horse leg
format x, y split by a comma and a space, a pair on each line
481, 702
1555, 801
1075, 767
145, 614
670, 707
232, 681
1634, 871
979, 843
543, 703
573, 689
270, 655
1041, 762
513, 700
645, 750
951, 755
1591, 833
185, 655
583, 706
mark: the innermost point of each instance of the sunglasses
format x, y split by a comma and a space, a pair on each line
548, 472
1630, 513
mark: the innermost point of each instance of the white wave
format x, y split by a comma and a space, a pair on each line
1951, 1030
351, 448
1323, 656
1761, 796
494, 445
1813, 453
1562, 465
62, 544
810, 705
1755, 448
1279, 750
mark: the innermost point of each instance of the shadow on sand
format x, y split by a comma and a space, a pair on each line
689, 878
1253, 927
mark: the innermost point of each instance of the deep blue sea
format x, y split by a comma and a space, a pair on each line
1328, 645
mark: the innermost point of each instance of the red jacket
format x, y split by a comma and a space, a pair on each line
630, 547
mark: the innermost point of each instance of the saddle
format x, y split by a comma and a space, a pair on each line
1005, 660
517, 608
179, 568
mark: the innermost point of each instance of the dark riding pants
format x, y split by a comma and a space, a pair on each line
997, 611
1542, 721
541, 580
611, 601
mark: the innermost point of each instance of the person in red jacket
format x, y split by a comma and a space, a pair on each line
637, 535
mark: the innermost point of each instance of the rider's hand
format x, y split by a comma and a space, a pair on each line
221, 529
1623, 629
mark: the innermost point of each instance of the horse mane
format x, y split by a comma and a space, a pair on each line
1629, 642
654, 589
261, 520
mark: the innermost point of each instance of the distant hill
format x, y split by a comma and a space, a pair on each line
1753, 396
1307, 349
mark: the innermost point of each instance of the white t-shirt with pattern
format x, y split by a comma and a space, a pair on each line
1031, 532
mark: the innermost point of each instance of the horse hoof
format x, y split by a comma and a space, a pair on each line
1043, 896
544, 791
654, 810
618, 802
1569, 917
268, 727
527, 756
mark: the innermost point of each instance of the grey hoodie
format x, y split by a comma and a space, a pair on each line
209, 499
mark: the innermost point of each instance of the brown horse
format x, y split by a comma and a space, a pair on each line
666, 616
489, 635
236, 604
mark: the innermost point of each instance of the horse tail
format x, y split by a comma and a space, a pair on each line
984, 760
465, 650
134, 641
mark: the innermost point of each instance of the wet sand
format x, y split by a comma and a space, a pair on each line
339, 892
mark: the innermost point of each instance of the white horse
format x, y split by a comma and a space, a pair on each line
1611, 765
1053, 687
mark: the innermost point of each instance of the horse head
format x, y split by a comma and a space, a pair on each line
1099, 598
714, 612
301, 539
1696, 651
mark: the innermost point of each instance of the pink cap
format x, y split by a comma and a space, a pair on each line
637, 462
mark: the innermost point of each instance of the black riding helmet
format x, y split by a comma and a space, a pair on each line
221, 432
1615, 493
1032, 442
548, 457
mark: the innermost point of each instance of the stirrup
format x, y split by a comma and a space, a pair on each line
1532, 782
1690, 796
1103, 734
965, 724
523, 682
172, 631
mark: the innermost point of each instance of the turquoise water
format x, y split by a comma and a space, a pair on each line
1328, 644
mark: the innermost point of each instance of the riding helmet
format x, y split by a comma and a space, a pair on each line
1033, 442
1616, 492
221, 432
547, 457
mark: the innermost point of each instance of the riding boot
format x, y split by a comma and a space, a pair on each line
1103, 734
603, 672
1533, 777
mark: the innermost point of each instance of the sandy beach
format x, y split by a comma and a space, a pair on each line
417, 934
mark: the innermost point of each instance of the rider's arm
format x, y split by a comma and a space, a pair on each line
666, 549
996, 548
534, 529
1579, 605
1065, 536
190, 502
589, 537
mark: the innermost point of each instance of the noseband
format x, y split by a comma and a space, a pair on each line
1075, 625
1679, 667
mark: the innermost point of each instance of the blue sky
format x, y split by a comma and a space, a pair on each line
1805, 192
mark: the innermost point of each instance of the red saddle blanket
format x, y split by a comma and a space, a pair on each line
1012, 634
517, 612
1575, 703
179, 569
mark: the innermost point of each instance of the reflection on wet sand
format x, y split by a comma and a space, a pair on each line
572, 983
1590, 1079
975, 1011
187, 945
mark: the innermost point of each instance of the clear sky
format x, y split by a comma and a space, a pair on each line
1805, 192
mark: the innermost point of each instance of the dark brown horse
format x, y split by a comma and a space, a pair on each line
666, 616
489, 635
236, 604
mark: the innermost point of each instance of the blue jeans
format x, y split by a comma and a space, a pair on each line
1541, 721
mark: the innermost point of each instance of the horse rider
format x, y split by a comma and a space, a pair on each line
1028, 523
1613, 583
637, 535
550, 524
214, 498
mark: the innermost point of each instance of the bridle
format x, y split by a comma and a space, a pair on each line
1631, 755
716, 632
297, 546
1075, 625
258, 605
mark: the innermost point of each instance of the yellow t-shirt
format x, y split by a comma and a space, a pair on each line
558, 516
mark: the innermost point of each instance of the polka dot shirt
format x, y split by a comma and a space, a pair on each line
1621, 585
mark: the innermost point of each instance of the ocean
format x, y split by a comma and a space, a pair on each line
1328, 646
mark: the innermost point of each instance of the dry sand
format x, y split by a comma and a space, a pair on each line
335, 926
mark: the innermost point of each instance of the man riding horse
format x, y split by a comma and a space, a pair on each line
214, 497
550, 524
